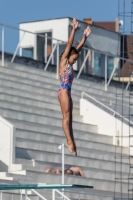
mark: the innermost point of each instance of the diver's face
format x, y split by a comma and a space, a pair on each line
73, 58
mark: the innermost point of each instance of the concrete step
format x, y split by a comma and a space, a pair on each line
89, 81
32, 89
89, 172
80, 143
17, 177
10, 106
53, 154
98, 184
23, 101
44, 120
88, 88
80, 139
57, 131
41, 87
32, 96
41, 166
37, 81
50, 92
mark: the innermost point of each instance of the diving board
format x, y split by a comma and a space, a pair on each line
41, 186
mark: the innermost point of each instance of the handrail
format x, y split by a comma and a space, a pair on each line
12, 27
53, 198
31, 32
114, 112
58, 41
129, 81
38, 194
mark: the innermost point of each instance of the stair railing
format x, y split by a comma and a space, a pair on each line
130, 78
40, 196
114, 112
53, 194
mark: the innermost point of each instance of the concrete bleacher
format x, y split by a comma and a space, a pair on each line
28, 99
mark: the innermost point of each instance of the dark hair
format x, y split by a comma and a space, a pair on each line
72, 51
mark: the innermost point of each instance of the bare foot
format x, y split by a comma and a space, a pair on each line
71, 147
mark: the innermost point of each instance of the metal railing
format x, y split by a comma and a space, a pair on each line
130, 78
114, 112
56, 47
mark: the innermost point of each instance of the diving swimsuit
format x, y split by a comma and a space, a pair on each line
66, 77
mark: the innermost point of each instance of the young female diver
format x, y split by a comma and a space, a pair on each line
66, 73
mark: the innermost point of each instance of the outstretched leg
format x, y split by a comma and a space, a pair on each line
65, 103
71, 118
71, 121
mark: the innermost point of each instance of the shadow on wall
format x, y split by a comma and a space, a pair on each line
22, 153
3, 167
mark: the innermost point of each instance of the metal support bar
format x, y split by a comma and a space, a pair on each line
57, 67
81, 68
53, 194
112, 74
129, 82
38, 194
62, 164
0, 195
62, 169
50, 57
46, 40
21, 197
106, 60
25, 194
79, 196
65, 197
17, 48
3, 45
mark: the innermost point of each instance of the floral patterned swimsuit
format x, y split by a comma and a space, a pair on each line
66, 77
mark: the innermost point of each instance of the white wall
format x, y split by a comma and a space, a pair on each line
59, 30
7, 145
107, 124
100, 39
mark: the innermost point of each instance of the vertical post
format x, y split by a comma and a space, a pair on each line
129, 82
79, 196
62, 169
81, 68
52, 48
25, 194
62, 164
20, 194
0, 195
46, 41
17, 48
20, 51
53, 194
57, 69
105, 72
111, 76
3, 45
35, 47
50, 57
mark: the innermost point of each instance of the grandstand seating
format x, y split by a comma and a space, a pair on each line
28, 99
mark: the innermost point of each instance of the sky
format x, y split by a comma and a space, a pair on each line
12, 12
